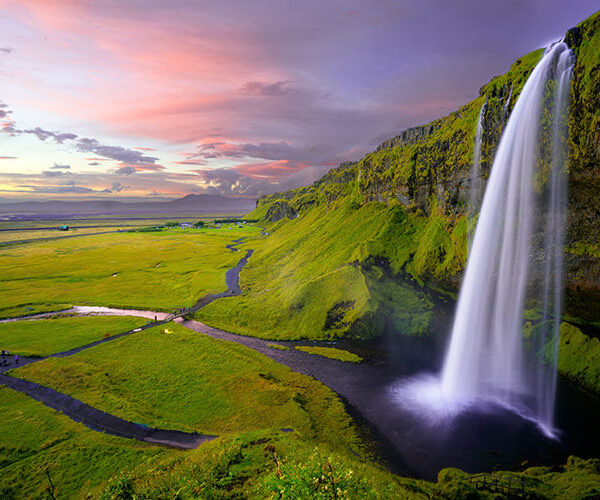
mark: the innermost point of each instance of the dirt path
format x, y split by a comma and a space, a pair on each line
103, 422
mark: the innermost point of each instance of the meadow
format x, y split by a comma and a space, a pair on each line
331, 353
10, 237
161, 270
173, 378
94, 220
56, 334
35, 439
268, 419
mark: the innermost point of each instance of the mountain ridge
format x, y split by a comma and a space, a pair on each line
206, 203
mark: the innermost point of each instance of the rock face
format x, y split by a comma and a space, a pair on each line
279, 210
410, 136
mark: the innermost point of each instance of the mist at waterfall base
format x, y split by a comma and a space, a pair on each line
493, 363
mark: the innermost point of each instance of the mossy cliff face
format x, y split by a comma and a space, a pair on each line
583, 235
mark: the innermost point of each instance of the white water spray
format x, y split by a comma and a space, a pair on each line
487, 358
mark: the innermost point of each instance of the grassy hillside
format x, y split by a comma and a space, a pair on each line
327, 273
261, 465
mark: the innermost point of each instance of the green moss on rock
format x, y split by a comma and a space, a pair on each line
579, 357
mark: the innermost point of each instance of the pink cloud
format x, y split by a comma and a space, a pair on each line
191, 162
271, 171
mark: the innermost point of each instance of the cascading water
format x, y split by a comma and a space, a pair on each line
507, 104
521, 217
475, 187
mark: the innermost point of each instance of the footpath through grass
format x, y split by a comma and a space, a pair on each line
34, 438
188, 381
56, 334
157, 271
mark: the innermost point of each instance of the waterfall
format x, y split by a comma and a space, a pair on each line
507, 104
475, 187
521, 217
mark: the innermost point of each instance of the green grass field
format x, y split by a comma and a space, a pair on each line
188, 381
56, 334
101, 220
34, 437
158, 270
12, 236
331, 353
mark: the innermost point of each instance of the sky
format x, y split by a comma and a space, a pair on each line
147, 99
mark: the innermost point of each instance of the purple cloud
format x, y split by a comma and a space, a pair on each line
117, 153
127, 170
42, 135
52, 173
60, 189
264, 89
118, 187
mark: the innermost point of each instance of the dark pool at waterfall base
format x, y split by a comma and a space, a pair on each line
486, 437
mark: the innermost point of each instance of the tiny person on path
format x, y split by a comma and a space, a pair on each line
16, 360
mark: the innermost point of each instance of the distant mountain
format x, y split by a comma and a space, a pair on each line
192, 204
